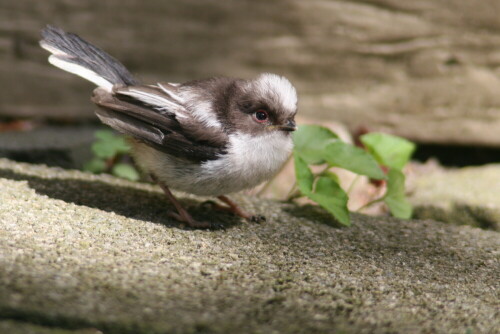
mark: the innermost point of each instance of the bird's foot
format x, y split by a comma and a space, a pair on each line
234, 208
258, 219
182, 215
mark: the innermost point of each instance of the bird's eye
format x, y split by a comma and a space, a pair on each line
261, 116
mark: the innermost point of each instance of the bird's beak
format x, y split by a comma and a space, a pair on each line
289, 126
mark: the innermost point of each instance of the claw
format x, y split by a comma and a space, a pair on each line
258, 219
234, 208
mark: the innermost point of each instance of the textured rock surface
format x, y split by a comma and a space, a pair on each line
427, 69
81, 253
460, 196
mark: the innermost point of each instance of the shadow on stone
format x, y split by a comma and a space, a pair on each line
313, 212
125, 201
290, 275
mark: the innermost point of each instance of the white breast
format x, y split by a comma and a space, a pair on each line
249, 161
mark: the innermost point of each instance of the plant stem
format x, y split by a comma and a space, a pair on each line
110, 162
353, 183
292, 192
327, 167
370, 203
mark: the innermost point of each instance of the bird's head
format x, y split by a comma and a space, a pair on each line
266, 103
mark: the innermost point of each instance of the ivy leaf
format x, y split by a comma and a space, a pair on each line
333, 198
395, 196
96, 165
390, 151
327, 193
109, 145
125, 171
305, 178
352, 158
309, 141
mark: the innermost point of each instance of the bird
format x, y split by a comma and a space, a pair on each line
207, 137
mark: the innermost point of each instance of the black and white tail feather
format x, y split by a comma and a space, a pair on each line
153, 114
75, 55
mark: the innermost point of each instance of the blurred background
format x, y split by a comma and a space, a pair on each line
426, 70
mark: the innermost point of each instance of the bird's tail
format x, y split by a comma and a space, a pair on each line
75, 55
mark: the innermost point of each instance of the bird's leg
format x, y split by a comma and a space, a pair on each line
234, 208
182, 215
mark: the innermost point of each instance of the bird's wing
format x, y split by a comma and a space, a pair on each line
156, 115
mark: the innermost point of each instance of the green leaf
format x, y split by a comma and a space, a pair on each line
305, 178
352, 158
327, 193
395, 196
389, 150
331, 175
109, 145
104, 135
103, 150
96, 165
331, 197
121, 145
125, 171
309, 141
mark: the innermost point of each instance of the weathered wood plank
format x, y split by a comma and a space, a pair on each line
428, 70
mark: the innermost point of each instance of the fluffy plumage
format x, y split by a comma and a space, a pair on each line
201, 137
247, 162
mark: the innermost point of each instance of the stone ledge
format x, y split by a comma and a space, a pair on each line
79, 251
467, 195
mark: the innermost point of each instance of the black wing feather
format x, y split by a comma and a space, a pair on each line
159, 130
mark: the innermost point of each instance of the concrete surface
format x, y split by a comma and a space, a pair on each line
87, 254
469, 195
